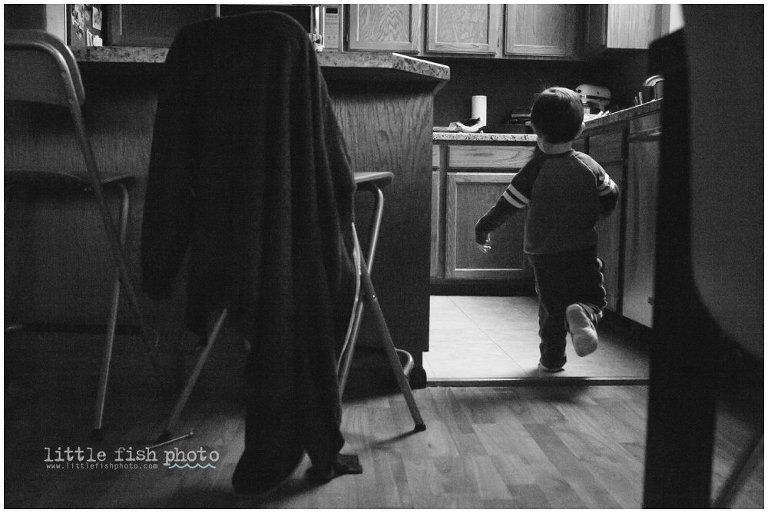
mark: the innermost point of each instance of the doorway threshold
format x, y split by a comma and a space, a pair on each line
536, 381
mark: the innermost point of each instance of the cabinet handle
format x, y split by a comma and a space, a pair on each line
646, 135
650, 300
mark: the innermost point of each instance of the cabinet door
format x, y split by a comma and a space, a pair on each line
607, 149
151, 24
542, 29
595, 38
385, 27
469, 195
625, 26
640, 235
633, 26
609, 243
463, 28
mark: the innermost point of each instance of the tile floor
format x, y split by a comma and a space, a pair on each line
475, 339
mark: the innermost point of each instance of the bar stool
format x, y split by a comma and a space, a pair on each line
364, 293
400, 360
40, 68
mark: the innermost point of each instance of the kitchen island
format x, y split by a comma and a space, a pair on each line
384, 103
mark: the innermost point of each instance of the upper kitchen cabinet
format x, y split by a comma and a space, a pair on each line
624, 26
151, 24
543, 30
385, 27
463, 28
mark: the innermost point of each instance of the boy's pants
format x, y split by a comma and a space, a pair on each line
563, 279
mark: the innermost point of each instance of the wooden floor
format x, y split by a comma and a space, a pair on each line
484, 447
477, 338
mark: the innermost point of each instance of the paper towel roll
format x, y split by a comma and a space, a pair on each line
479, 105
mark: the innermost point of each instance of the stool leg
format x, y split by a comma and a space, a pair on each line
101, 396
192, 380
389, 348
348, 349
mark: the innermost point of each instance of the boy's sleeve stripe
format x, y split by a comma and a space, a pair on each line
517, 194
603, 180
512, 201
607, 189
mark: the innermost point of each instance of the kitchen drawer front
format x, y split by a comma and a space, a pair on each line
607, 147
645, 128
645, 123
488, 157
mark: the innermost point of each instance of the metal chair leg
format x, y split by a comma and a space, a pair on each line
192, 380
111, 325
149, 336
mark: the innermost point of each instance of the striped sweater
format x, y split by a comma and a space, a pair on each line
565, 194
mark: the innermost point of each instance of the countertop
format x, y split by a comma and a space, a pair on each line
458, 136
397, 64
623, 115
609, 119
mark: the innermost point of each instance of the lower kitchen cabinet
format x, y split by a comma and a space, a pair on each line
468, 196
640, 234
468, 178
608, 149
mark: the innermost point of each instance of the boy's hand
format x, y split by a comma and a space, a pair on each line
483, 240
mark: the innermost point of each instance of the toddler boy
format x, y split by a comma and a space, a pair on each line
566, 192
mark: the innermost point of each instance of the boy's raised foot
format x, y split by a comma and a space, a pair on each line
583, 333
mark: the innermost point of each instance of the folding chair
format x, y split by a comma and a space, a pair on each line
40, 68
364, 292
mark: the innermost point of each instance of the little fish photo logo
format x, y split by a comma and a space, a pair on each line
199, 459
128, 458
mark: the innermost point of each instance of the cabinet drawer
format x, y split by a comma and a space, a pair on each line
488, 157
607, 147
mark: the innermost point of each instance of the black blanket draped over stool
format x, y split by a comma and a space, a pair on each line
250, 173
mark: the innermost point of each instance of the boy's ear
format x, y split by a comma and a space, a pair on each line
580, 130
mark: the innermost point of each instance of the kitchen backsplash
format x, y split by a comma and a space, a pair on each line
510, 85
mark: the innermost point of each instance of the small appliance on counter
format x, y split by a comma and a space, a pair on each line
595, 98
654, 87
518, 122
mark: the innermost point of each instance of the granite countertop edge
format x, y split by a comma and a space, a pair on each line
356, 60
609, 119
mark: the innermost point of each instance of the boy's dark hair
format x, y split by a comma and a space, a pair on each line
557, 114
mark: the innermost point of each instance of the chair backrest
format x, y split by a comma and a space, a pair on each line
40, 68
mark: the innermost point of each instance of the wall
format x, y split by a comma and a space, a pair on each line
50, 17
511, 84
